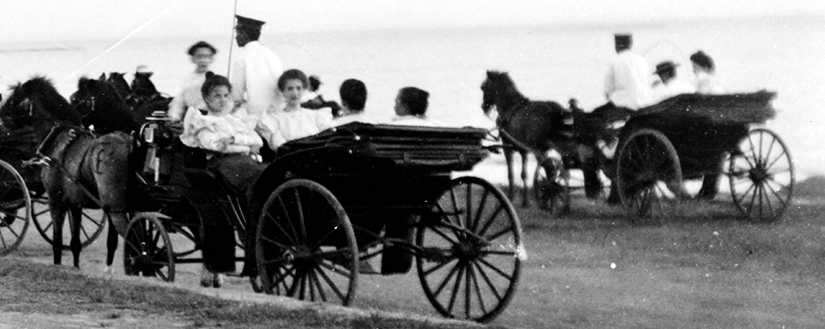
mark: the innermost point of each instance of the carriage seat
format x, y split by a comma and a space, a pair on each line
199, 176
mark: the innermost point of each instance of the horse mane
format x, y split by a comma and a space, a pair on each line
506, 89
42, 89
119, 82
114, 114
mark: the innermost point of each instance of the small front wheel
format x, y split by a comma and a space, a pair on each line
551, 187
147, 250
648, 174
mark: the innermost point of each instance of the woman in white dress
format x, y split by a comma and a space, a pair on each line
190, 94
293, 122
704, 70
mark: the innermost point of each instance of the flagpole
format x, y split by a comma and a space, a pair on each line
232, 40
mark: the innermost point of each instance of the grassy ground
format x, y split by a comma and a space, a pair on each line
702, 268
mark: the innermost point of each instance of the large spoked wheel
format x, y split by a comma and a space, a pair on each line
147, 250
472, 251
306, 246
15, 208
91, 226
648, 174
551, 187
761, 176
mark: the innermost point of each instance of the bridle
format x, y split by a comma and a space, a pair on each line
90, 103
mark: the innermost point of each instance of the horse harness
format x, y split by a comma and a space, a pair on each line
43, 159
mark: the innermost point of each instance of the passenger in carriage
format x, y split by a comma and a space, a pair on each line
231, 141
411, 108
201, 54
669, 85
704, 69
293, 122
353, 94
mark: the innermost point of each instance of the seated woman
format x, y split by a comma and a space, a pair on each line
353, 97
231, 142
411, 108
704, 69
294, 121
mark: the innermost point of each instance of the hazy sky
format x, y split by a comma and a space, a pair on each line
53, 20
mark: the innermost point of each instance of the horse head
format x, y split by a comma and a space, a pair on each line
142, 86
102, 107
37, 104
499, 93
119, 81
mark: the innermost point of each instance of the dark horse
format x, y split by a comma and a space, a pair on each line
141, 96
533, 127
101, 107
82, 171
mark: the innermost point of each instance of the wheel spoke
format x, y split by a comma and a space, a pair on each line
456, 287
332, 285
287, 218
481, 204
302, 221
489, 282
280, 228
447, 279
456, 209
477, 287
495, 269
319, 285
490, 220
441, 265
493, 237
443, 235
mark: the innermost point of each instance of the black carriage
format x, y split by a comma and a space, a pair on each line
23, 197
690, 136
332, 202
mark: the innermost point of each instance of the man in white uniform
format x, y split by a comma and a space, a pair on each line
255, 71
627, 83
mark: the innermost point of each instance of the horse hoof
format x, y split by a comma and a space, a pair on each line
206, 278
109, 270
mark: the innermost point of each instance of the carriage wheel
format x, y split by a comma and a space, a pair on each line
91, 226
552, 193
649, 175
147, 250
16, 209
471, 255
306, 246
761, 176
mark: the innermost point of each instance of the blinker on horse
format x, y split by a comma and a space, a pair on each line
83, 171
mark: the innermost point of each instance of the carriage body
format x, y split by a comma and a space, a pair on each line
330, 203
692, 135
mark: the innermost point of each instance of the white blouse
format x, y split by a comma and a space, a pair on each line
190, 96
279, 128
207, 132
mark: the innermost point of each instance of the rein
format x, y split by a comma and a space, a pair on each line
43, 159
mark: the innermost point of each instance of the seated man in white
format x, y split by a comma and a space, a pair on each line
670, 85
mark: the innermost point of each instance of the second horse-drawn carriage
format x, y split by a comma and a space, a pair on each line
685, 137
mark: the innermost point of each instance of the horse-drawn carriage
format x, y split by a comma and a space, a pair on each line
692, 136
333, 201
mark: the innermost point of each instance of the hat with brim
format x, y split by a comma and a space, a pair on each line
665, 66
248, 23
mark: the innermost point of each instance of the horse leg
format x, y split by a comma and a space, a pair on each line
111, 245
525, 202
58, 213
508, 157
76, 215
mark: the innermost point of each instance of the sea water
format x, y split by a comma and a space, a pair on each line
547, 63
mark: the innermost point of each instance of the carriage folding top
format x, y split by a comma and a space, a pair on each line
717, 109
411, 148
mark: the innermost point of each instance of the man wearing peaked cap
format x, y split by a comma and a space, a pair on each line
255, 71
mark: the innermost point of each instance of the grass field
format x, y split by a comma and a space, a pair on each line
594, 268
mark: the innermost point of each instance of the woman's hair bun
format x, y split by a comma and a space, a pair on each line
209, 74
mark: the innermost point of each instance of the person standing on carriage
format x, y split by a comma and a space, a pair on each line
201, 54
255, 71
627, 88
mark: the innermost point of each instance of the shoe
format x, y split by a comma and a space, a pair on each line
662, 191
206, 278
217, 280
